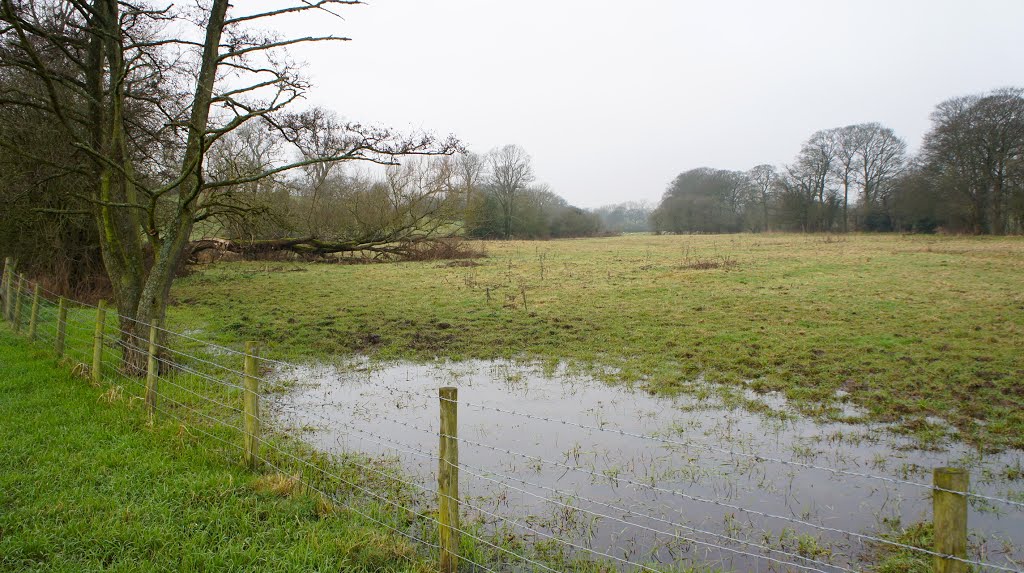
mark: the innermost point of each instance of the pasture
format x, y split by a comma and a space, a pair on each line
924, 332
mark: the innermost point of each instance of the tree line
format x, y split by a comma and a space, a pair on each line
506, 202
967, 178
464, 194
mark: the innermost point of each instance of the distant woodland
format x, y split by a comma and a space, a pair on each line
967, 178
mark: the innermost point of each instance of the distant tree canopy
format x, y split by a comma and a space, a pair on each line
703, 200
327, 208
502, 201
969, 177
535, 213
973, 160
628, 217
42, 222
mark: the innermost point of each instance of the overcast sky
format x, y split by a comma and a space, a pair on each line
613, 99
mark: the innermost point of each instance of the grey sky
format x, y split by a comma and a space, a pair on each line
613, 99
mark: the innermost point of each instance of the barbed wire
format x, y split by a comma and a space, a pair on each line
313, 487
796, 521
755, 457
129, 335
666, 441
393, 443
185, 336
468, 504
179, 366
700, 499
216, 421
384, 499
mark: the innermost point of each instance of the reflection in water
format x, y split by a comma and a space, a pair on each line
641, 499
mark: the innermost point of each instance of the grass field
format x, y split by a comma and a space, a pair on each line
87, 485
916, 330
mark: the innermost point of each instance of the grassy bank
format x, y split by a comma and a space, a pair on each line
914, 330
87, 485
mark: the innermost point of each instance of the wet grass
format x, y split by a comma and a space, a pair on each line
925, 332
87, 485
898, 560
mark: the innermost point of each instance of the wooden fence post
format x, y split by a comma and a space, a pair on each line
152, 371
448, 480
250, 406
62, 321
950, 518
11, 286
97, 343
17, 304
5, 287
33, 319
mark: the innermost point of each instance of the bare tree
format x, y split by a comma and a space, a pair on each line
848, 158
881, 157
239, 210
96, 61
867, 155
469, 170
628, 217
317, 133
1002, 124
510, 174
975, 149
393, 216
763, 178
955, 158
808, 178
704, 200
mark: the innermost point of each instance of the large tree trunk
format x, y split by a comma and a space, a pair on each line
998, 225
507, 219
846, 205
142, 287
152, 304
121, 243
978, 212
764, 207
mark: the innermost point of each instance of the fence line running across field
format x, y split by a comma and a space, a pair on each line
222, 402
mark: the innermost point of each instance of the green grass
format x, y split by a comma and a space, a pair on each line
908, 327
87, 485
897, 560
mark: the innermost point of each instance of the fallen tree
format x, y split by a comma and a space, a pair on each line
420, 249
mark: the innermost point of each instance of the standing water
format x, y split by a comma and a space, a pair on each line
619, 475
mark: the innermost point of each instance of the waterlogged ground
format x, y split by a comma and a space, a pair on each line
676, 499
913, 328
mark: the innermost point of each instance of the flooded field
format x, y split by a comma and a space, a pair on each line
613, 473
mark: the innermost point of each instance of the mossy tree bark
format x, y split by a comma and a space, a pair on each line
142, 283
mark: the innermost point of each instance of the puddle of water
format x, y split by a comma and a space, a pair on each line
635, 483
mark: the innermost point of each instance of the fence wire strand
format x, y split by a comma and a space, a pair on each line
699, 499
413, 450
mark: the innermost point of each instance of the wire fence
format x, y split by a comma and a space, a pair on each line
203, 387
